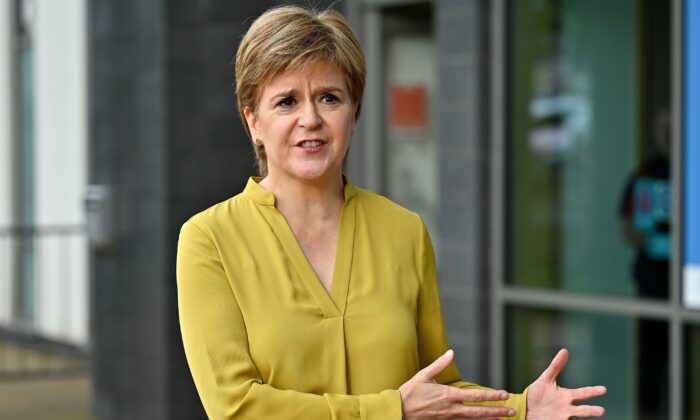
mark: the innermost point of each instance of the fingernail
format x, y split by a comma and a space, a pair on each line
511, 413
449, 353
504, 395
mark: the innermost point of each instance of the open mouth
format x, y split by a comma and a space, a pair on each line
310, 144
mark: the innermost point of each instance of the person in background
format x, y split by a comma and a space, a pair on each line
645, 213
306, 297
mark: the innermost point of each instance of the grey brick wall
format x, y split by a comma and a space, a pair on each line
128, 140
461, 36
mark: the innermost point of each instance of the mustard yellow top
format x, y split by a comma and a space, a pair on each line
263, 338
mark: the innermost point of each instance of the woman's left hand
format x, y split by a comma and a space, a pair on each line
548, 401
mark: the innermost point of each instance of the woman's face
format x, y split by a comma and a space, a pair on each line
304, 119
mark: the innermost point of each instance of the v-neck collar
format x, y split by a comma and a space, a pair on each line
332, 304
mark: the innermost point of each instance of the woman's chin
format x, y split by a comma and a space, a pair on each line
313, 173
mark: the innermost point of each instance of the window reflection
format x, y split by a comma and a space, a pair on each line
645, 213
589, 98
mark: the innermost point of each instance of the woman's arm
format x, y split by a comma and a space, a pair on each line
216, 345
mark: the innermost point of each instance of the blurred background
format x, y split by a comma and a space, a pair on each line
546, 143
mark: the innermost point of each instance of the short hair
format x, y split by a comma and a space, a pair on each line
289, 38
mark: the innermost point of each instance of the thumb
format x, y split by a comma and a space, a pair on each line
432, 370
556, 366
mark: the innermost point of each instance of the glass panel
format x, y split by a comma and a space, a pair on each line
589, 146
410, 82
692, 376
628, 356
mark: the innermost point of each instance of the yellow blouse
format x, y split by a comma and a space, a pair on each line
263, 338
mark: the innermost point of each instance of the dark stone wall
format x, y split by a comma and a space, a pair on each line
209, 155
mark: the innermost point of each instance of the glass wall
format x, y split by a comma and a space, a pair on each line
628, 356
589, 193
604, 349
589, 150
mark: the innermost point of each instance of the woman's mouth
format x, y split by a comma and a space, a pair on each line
311, 146
311, 143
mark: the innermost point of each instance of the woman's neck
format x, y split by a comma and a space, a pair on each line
299, 200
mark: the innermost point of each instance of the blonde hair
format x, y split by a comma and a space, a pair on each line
288, 38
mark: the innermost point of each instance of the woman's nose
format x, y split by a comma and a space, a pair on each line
310, 117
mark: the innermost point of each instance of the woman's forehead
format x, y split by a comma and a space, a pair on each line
313, 74
320, 72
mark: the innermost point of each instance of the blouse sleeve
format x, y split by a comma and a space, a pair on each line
216, 346
432, 338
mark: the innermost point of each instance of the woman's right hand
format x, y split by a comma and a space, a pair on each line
422, 398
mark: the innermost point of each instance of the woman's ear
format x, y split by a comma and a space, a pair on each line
252, 122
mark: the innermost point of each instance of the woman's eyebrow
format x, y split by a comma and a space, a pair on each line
329, 88
291, 92
283, 94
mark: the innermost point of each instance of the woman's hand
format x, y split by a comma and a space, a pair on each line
422, 398
548, 401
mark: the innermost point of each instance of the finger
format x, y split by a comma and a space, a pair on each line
481, 411
556, 367
477, 395
587, 411
586, 393
432, 370
485, 418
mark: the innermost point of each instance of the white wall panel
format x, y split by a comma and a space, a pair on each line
78, 325
61, 110
5, 156
60, 48
62, 289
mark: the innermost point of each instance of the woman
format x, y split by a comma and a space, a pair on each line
305, 297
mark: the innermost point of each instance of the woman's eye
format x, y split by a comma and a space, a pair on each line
329, 99
286, 102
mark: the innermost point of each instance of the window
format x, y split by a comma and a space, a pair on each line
590, 146
588, 165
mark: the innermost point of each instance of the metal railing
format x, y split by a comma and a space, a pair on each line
43, 301
24, 357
